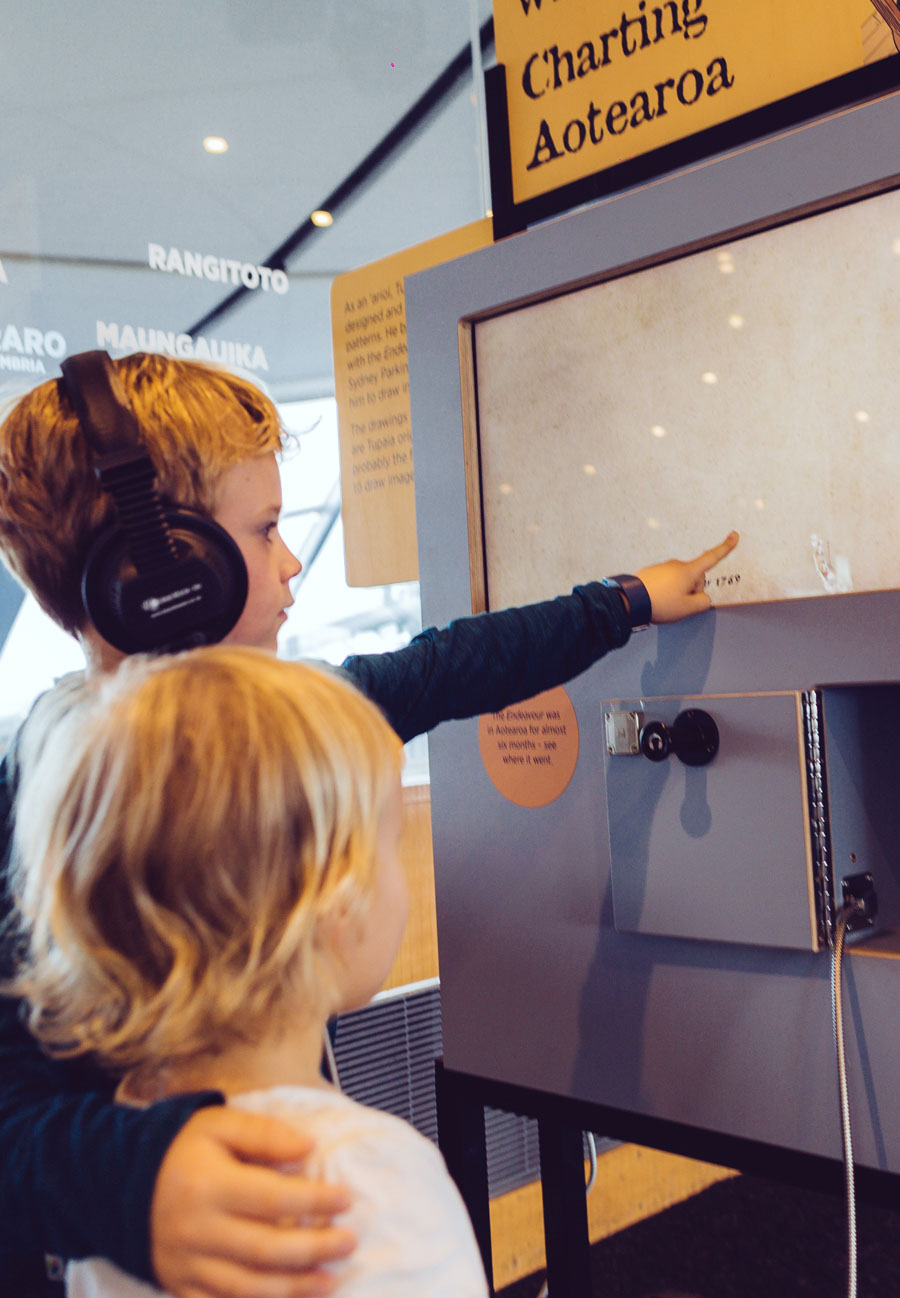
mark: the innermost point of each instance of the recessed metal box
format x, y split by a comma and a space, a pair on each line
722, 852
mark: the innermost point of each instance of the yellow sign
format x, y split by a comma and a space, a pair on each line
371, 383
593, 83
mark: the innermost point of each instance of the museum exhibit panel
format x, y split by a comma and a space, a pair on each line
649, 943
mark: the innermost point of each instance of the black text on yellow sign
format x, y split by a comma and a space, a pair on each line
593, 83
547, 71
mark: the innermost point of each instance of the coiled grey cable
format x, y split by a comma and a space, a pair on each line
329, 1059
838, 1024
592, 1156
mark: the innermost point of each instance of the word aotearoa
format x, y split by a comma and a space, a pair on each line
644, 106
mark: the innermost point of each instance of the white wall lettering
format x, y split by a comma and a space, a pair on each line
220, 270
129, 338
29, 345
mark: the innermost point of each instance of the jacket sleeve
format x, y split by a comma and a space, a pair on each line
488, 662
77, 1171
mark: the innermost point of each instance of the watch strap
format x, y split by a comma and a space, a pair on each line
640, 608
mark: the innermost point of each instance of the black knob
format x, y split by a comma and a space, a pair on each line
656, 741
694, 737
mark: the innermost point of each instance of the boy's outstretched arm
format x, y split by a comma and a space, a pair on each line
488, 662
225, 1223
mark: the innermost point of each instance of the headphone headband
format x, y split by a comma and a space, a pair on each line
93, 386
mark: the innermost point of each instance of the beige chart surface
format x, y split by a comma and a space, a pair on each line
753, 385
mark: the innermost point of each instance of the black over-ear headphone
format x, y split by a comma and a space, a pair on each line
158, 580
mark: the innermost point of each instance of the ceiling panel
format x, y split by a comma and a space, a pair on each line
104, 110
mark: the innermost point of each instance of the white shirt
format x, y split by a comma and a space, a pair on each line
414, 1235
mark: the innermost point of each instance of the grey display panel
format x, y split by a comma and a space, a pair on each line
539, 988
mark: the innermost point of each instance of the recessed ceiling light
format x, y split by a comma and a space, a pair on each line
215, 144
709, 378
658, 431
321, 218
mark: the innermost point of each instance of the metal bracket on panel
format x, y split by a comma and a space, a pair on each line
820, 837
859, 890
623, 732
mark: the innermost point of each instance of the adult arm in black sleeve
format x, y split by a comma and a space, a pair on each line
490, 661
77, 1172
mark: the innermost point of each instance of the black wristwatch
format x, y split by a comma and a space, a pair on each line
640, 609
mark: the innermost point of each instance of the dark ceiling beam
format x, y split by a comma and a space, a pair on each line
408, 126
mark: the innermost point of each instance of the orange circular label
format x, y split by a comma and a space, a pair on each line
529, 750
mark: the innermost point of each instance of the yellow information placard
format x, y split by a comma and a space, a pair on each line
371, 383
594, 83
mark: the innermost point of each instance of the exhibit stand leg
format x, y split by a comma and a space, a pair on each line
565, 1210
461, 1136
461, 1101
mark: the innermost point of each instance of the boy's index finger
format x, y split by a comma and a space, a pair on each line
710, 558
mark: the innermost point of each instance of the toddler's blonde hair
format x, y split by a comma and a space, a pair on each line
183, 829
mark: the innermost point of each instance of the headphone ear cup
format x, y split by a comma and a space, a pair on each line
194, 601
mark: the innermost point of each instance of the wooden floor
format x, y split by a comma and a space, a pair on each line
631, 1185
